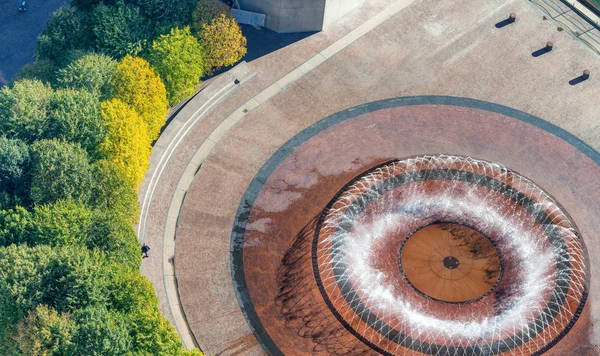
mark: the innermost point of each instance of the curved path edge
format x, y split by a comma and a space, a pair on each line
186, 117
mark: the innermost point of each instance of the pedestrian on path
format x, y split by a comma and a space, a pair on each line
145, 249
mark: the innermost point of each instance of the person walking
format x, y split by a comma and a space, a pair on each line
22, 6
145, 249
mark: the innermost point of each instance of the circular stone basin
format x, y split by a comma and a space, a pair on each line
450, 262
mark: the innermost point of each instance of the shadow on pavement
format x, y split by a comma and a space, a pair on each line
262, 41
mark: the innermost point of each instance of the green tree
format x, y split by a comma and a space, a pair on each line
113, 191
59, 170
92, 72
74, 279
126, 144
120, 29
223, 42
101, 332
112, 235
23, 109
21, 272
14, 225
167, 13
67, 29
138, 85
74, 116
44, 332
62, 223
179, 60
14, 160
42, 69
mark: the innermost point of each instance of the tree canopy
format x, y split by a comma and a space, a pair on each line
223, 41
24, 108
120, 29
92, 72
59, 170
138, 84
126, 144
179, 59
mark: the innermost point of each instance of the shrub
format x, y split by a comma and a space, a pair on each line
74, 116
120, 29
23, 109
137, 84
180, 61
223, 42
126, 144
59, 170
92, 72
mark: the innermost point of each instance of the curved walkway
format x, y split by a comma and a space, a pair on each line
444, 48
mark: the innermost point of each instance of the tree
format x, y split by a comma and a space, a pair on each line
137, 84
120, 29
67, 29
23, 109
126, 144
74, 116
179, 59
42, 69
113, 191
74, 279
92, 72
223, 42
112, 235
14, 157
206, 11
59, 170
167, 13
14, 225
44, 332
101, 332
62, 223
21, 271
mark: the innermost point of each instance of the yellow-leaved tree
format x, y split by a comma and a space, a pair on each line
127, 143
223, 42
137, 84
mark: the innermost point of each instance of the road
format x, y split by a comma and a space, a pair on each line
19, 31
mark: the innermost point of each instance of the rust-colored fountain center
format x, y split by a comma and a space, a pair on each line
451, 263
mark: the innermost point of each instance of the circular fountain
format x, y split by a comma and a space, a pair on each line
466, 232
351, 240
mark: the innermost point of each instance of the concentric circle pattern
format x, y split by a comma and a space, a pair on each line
359, 237
354, 253
450, 262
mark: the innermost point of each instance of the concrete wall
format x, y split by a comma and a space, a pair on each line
300, 15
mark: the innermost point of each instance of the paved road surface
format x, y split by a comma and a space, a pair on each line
19, 31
